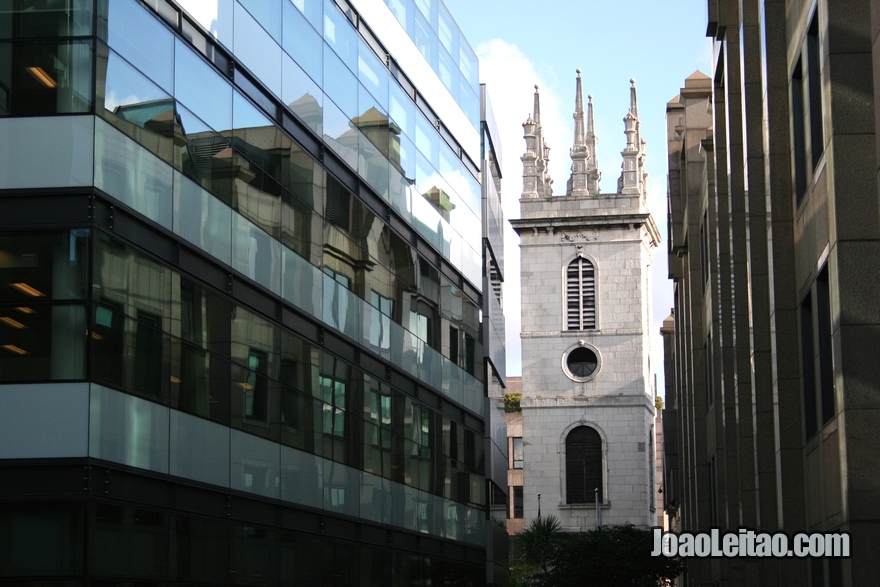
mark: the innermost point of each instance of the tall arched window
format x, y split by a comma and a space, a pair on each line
583, 465
580, 295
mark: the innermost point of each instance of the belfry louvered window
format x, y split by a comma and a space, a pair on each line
580, 295
583, 465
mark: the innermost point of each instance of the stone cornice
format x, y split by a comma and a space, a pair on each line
553, 224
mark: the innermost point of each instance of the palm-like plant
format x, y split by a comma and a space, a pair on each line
538, 542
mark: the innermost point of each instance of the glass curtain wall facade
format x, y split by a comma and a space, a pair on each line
241, 286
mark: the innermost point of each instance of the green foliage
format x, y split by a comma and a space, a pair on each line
535, 549
611, 555
511, 403
539, 540
658, 402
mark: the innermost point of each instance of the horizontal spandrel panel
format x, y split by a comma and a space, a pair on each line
47, 152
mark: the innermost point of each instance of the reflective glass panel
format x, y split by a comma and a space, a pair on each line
215, 16
51, 151
132, 175
42, 342
42, 19
426, 139
257, 50
313, 10
448, 72
35, 267
45, 78
303, 43
204, 155
342, 486
257, 144
425, 40
373, 74
302, 477
267, 13
467, 61
44, 420
136, 34
447, 31
202, 89
339, 135
340, 84
254, 465
373, 166
404, 12
340, 34
199, 449
128, 430
470, 104
302, 283
377, 503
302, 95
138, 107
402, 109
403, 156
256, 254
202, 219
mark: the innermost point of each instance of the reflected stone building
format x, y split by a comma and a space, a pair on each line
587, 400
250, 296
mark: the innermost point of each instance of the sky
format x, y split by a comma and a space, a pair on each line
659, 43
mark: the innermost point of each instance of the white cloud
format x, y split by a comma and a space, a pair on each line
510, 77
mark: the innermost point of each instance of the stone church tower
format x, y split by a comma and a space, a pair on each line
587, 402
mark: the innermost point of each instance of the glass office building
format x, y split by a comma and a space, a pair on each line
250, 295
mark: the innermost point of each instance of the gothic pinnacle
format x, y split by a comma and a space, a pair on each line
579, 132
633, 102
577, 183
537, 113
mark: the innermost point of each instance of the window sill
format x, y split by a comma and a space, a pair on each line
584, 506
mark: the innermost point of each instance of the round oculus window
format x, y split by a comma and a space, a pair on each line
582, 362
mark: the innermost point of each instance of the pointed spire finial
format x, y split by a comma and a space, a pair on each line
537, 108
593, 175
633, 102
577, 184
579, 132
633, 177
591, 125
536, 180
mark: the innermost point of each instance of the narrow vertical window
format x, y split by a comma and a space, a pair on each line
517, 453
808, 367
817, 369
808, 134
708, 357
713, 492
823, 336
798, 130
583, 465
580, 293
704, 250
518, 501
814, 93
256, 387
148, 360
